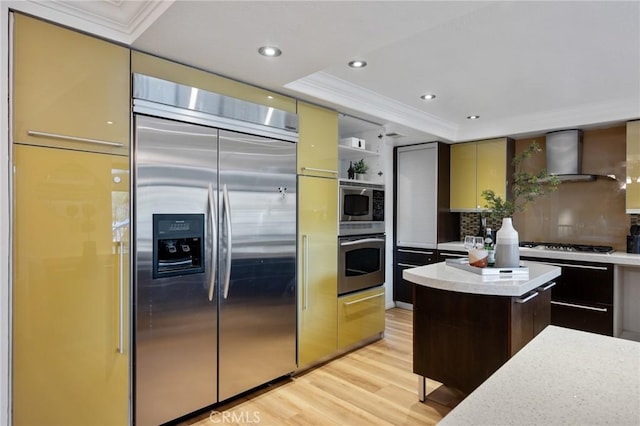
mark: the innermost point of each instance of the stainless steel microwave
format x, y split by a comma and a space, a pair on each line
361, 202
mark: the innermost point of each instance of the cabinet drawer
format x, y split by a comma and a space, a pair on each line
406, 258
450, 254
360, 315
415, 256
584, 282
597, 318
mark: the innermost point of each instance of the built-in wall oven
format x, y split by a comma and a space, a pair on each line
360, 262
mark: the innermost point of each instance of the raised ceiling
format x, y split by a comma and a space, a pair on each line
523, 67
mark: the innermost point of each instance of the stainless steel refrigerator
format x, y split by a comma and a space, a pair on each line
215, 227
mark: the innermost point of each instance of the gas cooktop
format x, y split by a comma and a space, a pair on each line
583, 248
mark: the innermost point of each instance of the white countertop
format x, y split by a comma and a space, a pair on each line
617, 258
561, 377
445, 277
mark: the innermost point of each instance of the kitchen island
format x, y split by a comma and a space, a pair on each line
467, 325
563, 376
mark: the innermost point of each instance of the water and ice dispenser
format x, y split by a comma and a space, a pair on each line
178, 244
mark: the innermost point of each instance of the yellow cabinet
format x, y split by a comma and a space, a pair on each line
70, 288
360, 316
476, 166
318, 141
633, 167
70, 90
153, 66
317, 268
463, 176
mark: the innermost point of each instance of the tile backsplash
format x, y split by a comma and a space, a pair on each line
578, 212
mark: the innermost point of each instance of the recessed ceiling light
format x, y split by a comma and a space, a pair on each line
428, 97
269, 51
358, 64
473, 117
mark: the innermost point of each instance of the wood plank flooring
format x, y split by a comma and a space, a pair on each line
373, 385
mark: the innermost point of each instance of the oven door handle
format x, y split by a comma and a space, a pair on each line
362, 241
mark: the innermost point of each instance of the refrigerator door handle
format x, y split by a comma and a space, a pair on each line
214, 238
227, 212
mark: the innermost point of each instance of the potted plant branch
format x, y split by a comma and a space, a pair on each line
525, 187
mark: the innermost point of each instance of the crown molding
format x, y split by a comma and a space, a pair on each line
328, 88
117, 20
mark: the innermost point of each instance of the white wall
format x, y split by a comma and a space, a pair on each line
5, 258
386, 151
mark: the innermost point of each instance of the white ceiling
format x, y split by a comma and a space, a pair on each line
525, 67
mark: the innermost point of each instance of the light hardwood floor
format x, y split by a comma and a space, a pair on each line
373, 385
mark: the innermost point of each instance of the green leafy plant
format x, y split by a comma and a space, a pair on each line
360, 166
525, 187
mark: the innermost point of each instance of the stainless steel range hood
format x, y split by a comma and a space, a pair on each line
564, 156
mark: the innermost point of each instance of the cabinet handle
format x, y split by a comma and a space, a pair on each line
453, 255
353, 302
312, 169
120, 348
529, 297
408, 265
305, 287
547, 287
362, 241
568, 265
573, 305
414, 251
73, 138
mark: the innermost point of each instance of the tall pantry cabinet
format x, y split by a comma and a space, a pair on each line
317, 233
422, 218
70, 357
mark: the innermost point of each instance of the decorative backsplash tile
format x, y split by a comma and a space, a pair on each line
470, 224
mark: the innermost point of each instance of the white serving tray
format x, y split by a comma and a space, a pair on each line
463, 263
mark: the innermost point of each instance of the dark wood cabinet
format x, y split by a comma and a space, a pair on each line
405, 258
460, 339
583, 296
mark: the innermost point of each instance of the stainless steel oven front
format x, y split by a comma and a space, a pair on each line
360, 262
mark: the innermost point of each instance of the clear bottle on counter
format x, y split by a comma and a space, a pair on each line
490, 246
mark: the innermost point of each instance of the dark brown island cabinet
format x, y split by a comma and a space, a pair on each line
460, 339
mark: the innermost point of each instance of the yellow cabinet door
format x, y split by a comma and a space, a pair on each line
70, 288
318, 141
360, 316
463, 177
633, 167
476, 166
70, 90
317, 268
491, 169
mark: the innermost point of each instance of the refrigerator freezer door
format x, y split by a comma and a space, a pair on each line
257, 202
175, 319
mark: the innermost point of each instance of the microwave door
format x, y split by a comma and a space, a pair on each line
357, 204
